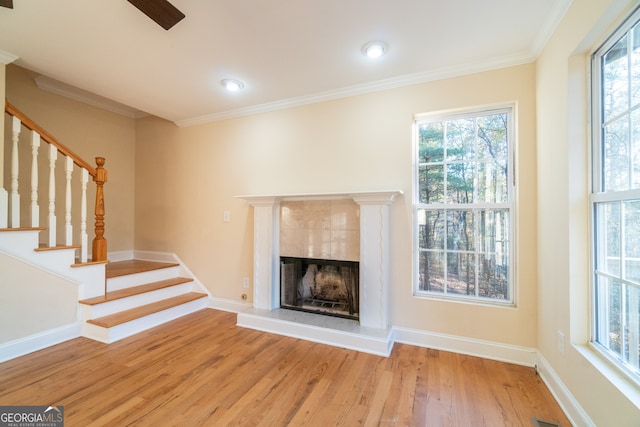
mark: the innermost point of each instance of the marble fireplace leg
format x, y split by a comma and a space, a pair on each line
266, 254
374, 263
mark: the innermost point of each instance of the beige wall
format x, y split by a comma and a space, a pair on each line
3, 74
359, 143
88, 131
183, 179
39, 302
563, 152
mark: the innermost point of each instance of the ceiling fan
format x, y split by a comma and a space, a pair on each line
161, 11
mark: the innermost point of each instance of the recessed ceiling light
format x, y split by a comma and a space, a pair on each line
375, 49
232, 85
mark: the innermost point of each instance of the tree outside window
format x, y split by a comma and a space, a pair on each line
464, 206
615, 197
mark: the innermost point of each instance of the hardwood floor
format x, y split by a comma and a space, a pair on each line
203, 370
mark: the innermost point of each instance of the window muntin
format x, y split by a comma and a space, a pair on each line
615, 196
464, 206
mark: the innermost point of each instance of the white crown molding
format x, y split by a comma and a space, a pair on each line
7, 58
54, 86
560, 9
365, 88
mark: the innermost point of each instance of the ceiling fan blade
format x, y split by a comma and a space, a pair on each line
161, 11
6, 3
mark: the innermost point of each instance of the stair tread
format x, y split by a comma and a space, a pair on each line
86, 264
136, 290
44, 247
23, 229
132, 266
145, 310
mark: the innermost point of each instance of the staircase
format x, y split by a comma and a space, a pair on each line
114, 300
132, 295
140, 294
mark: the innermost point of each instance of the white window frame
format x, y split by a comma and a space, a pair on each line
597, 196
510, 204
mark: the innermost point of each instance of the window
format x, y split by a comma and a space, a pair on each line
464, 206
615, 197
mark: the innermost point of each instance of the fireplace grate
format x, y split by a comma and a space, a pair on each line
325, 303
321, 286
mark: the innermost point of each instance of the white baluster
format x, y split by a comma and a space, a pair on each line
15, 196
83, 217
4, 208
68, 241
53, 155
35, 209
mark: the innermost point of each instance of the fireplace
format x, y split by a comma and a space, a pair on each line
370, 248
321, 286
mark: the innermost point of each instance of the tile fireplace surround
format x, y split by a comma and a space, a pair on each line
372, 334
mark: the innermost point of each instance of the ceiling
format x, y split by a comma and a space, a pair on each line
287, 52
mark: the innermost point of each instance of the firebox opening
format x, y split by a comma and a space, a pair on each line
320, 286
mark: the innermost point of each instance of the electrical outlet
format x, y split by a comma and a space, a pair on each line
227, 216
560, 343
245, 283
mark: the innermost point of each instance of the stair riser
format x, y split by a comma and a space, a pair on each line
130, 280
111, 307
20, 242
110, 335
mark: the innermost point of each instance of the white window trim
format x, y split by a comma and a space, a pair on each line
511, 109
615, 366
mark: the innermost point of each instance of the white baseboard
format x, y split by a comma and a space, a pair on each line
229, 305
154, 256
486, 349
119, 256
563, 396
26, 345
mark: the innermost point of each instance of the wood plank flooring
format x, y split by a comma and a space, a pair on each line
202, 370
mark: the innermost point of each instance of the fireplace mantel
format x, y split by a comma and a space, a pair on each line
374, 250
362, 197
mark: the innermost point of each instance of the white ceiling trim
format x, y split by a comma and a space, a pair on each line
365, 88
560, 9
6, 57
54, 86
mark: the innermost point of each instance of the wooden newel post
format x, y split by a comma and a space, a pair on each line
99, 252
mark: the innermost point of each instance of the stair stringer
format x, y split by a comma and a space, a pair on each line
46, 335
183, 270
22, 244
214, 302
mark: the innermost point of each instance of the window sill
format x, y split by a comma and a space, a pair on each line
463, 300
615, 375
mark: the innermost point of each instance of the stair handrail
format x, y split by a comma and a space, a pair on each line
99, 175
31, 125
